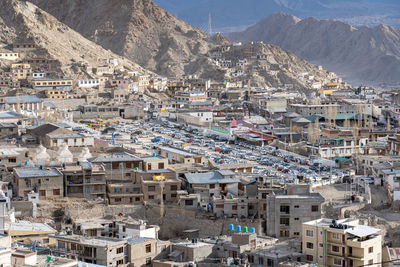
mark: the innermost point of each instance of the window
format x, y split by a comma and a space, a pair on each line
151, 188
148, 248
337, 262
314, 208
296, 219
296, 206
335, 248
284, 221
12, 160
117, 199
174, 187
309, 258
371, 262
161, 165
151, 197
56, 192
189, 202
42, 193
336, 236
120, 250
370, 249
321, 245
296, 233
261, 261
120, 262
310, 233
212, 186
173, 195
285, 209
310, 245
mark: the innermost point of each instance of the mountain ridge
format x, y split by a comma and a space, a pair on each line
359, 54
138, 29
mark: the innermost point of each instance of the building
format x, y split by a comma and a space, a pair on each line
89, 83
179, 156
8, 130
65, 84
105, 251
48, 182
26, 102
55, 94
8, 55
191, 96
12, 156
21, 70
341, 243
287, 210
30, 233
142, 251
85, 180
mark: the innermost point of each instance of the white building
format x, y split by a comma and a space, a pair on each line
89, 83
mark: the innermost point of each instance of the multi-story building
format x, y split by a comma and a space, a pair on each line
21, 70
191, 96
26, 102
142, 251
85, 180
48, 182
287, 210
105, 251
48, 83
344, 243
55, 94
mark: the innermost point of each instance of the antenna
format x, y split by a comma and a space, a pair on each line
209, 24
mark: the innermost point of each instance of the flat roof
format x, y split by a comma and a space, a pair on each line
37, 172
177, 151
363, 230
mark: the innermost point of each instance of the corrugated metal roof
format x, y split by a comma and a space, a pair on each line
23, 99
209, 178
363, 230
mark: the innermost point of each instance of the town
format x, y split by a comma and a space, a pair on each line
129, 168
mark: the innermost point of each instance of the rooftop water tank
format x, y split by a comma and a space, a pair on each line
231, 227
238, 228
252, 230
245, 229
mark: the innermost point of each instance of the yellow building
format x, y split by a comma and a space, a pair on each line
21, 70
56, 94
31, 233
46, 83
341, 243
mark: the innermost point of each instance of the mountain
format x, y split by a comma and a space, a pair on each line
22, 21
230, 14
370, 55
137, 29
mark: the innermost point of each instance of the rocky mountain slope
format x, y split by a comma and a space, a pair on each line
136, 29
361, 55
265, 65
23, 21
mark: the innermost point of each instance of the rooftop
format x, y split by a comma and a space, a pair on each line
37, 172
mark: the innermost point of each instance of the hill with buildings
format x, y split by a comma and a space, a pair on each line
138, 30
361, 55
23, 22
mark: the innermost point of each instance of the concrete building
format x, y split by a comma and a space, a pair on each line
85, 180
179, 156
287, 210
142, 251
48, 83
341, 243
9, 55
26, 102
48, 182
105, 251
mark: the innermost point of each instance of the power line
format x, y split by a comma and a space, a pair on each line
382, 262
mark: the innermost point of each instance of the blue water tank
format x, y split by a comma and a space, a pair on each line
231, 227
252, 230
238, 228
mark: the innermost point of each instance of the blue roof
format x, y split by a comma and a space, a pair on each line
210, 178
37, 172
139, 240
22, 99
10, 114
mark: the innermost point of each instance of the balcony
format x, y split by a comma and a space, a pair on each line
357, 243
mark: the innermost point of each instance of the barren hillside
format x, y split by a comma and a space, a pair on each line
23, 21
